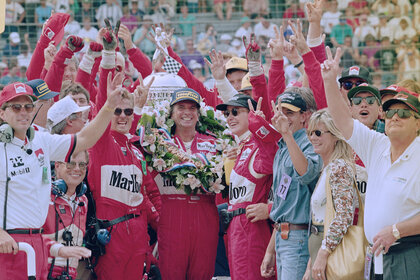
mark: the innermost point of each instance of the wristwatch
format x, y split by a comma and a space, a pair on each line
395, 231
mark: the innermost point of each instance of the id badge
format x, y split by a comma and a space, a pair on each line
45, 175
283, 188
368, 262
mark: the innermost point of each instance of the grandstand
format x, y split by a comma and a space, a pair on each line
381, 35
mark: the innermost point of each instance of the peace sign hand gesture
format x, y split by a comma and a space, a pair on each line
279, 120
142, 92
257, 111
109, 40
297, 39
331, 67
253, 51
277, 45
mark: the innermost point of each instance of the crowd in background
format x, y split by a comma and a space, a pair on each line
381, 35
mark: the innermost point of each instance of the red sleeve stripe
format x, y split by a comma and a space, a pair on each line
71, 148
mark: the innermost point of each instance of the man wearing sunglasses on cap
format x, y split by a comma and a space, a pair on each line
25, 176
352, 77
392, 212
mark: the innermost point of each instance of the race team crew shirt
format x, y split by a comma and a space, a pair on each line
117, 174
29, 170
393, 195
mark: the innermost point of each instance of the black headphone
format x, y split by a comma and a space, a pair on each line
59, 188
7, 134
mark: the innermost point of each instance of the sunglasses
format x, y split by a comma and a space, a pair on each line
18, 107
72, 165
402, 113
347, 85
318, 132
128, 112
234, 112
369, 100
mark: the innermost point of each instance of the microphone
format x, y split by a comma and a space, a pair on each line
28, 151
81, 204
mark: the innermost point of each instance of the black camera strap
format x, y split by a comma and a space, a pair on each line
56, 239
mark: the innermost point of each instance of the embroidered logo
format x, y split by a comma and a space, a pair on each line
40, 156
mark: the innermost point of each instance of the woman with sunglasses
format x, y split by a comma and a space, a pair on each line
250, 184
121, 185
67, 217
338, 172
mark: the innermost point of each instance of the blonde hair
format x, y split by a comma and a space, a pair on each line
342, 150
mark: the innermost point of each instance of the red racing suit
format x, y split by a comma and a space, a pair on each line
118, 179
250, 183
188, 226
64, 215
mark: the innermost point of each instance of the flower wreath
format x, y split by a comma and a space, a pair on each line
193, 173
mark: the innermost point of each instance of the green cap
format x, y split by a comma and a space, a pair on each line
356, 72
406, 98
364, 88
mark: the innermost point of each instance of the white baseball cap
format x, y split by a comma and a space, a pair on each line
14, 37
63, 109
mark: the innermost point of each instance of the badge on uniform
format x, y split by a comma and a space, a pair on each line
45, 178
283, 188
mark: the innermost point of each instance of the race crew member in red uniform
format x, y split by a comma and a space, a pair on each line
250, 183
25, 175
189, 224
67, 216
117, 178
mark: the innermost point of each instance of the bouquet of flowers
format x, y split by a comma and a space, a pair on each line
194, 173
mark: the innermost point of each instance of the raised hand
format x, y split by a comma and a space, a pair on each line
75, 43
217, 65
297, 39
257, 111
49, 54
276, 45
279, 120
95, 49
142, 92
125, 34
252, 50
314, 10
109, 40
331, 67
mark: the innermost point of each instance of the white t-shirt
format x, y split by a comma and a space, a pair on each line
243, 32
330, 19
319, 200
30, 174
393, 194
13, 11
269, 32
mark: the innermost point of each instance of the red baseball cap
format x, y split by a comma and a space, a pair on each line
14, 90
